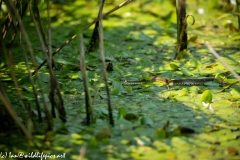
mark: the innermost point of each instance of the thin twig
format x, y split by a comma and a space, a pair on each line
238, 13
97, 86
222, 61
47, 112
40, 23
89, 110
8, 21
40, 119
1, 3
55, 94
49, 37
82, 152
6, 26
22, 28
48, 56
17, 26
86, 27
103, 63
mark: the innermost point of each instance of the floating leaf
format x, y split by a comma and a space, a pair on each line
104, 133
131, 117
160, 133
192, 38
174, 66
176, 132
235, 92
123, 124
194, 63
186, 72
121, 112
115, 91
146, 120
80, 75
223, 103
118, 68
146, 76
117, 84
129, 90
73, 75
44, 77
93, 142
39, 60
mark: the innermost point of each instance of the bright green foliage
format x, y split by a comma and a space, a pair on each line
152, 120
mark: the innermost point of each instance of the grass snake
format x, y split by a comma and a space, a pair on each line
179, 82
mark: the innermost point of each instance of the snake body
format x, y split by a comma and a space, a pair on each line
180, 82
